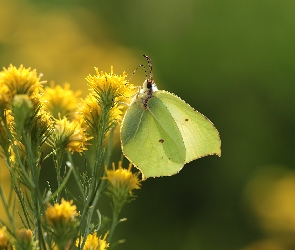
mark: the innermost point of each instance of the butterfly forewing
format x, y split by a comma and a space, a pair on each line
151, 139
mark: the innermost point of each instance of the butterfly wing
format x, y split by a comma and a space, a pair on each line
200, 136
151, 139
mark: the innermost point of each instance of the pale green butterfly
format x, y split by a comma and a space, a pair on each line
160, 132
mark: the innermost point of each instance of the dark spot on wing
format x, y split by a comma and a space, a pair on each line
186, 119
161, 140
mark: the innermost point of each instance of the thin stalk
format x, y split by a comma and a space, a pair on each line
116, 211
57, 164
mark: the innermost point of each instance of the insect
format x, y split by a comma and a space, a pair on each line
160, 132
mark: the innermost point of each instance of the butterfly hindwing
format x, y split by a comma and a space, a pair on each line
200, 136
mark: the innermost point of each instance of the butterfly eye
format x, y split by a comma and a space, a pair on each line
149, 84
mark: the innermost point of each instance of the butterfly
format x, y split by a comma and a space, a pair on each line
160, 132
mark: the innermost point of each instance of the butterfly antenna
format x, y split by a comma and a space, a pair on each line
150, 67
136, 70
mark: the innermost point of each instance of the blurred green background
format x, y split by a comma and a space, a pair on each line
231, 60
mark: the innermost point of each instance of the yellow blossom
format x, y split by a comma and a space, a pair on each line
24, 84
110, 95
69, 135
61, 100
4, 242
61, 215
41, 125
25, 238
90, 110
20, 81
122, 180
38, 100
93, 242
110, 89
63, 220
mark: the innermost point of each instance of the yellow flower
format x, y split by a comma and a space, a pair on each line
21, 80
94, 243
69, 135
110, 94
4, 242
110, 89
25, 238
61, 100
90, 110
61, 215
63, 220
122, 181
24, 84
41, 125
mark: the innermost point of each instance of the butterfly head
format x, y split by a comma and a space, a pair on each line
147, 90
149, 85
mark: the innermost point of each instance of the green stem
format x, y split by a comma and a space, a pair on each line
96, 183
7, 210
57, 164
32, 151
116, 211
76, 174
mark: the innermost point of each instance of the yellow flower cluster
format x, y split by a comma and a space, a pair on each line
33, 108
109, 91
25, 238
20, 81
4, 242
31, 116
109, 87
69, 135
93, 242
121, 180
62, 214
21, 106
61, 101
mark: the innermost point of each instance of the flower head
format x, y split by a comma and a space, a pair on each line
41, 125
62, 218
110, 89
69, 135
4, 242
121, 182
103, 108
20, 92
25, 239
61, 100
21, 80
61, 214
94, 243
91, 112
